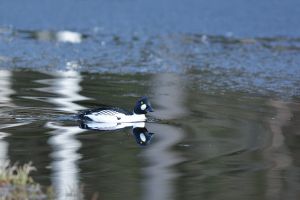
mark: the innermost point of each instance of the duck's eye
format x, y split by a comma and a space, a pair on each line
142, 102
143, 106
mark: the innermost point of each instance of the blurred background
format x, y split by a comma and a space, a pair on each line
223, 78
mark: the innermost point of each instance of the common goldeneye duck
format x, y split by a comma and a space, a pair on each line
118, 115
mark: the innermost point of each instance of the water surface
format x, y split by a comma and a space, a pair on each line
204, 145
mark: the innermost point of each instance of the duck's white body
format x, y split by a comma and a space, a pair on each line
118, 115
111, 116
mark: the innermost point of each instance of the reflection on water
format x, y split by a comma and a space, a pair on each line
6, 103
5, 90
3, 143
3, 148
139, 131
5, 100
108, 126
159, 175
142, 135
169, 96
277, 152
65, 170
63, 138
205, 146
67, 85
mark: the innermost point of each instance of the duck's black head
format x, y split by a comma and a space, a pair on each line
142, 136
142, 106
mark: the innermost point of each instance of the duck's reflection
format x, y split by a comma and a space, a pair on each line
139, 131
142, 136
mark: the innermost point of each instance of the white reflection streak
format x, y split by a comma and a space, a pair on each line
5, 89
5, 101
64, 165
66, 85
160, 176
3, 149
65, 145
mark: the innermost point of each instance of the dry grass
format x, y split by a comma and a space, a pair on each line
16, 183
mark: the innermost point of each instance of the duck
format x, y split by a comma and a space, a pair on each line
118, 115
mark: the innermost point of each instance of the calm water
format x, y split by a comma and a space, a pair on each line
226, 145
223, 78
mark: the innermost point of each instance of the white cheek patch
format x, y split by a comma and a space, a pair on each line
143, 107
143, 137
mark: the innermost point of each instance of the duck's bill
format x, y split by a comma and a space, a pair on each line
149, 109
